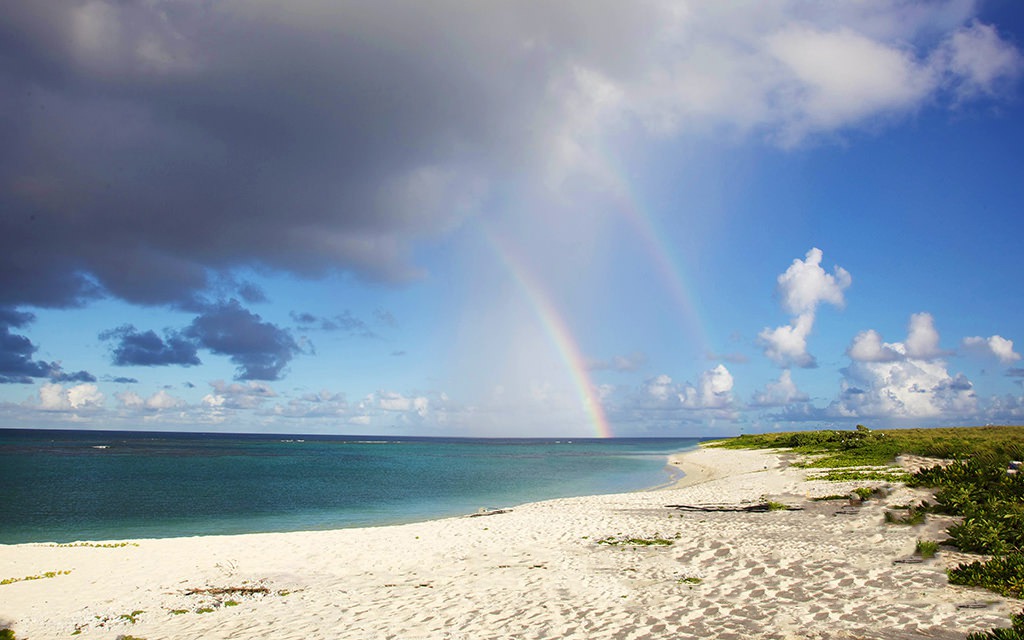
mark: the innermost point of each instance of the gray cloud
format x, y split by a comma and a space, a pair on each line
16, 351
152, 147
345, 322
147, 349
261, 350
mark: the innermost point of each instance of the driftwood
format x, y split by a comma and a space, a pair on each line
489, 512
754, 508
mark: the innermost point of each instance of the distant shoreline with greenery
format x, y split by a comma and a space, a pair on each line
975, 482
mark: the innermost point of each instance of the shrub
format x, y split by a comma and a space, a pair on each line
1003, 574
926, 548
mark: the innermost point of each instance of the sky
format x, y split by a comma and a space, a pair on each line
567, 219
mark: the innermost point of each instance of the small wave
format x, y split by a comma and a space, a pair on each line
101, 446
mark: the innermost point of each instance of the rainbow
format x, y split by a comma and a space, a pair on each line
558, 332
657, 248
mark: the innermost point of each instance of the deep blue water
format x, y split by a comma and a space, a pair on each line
62, 486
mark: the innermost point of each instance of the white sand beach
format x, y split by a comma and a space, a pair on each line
537, 571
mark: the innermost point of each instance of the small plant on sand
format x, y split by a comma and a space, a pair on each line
864, 493
926, 548
834, 496
204, 610
131, 617
690, 580
232, 603
7, 634
48, 574
178, 612
127, 637
776, 506
635, 542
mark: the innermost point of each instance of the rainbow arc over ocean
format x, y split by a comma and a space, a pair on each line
558, 332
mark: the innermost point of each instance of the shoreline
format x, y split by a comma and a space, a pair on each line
557, 568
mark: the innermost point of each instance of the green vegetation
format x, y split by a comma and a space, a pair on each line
777, 506
974, 486
635, 542
890, 474
1003, 574
7, 634
131, 617
867, 447
926, 548
48, 574
204, 610
834, 496
864, 493
178, 612
690, 580
232, 603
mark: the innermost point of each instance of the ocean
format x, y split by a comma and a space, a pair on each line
62, 486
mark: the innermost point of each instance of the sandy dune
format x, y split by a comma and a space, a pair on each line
537, 571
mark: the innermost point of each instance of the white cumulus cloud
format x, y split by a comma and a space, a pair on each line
867, 346
802, 287
55, 397
999, 347
779, 393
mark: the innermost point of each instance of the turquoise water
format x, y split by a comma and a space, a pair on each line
62, 486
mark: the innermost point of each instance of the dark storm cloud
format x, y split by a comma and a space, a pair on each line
260, 349
78, 376
16, 351
16, 363
149, 147
124, 380
147, 349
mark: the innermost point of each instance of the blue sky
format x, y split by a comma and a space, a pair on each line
514, 219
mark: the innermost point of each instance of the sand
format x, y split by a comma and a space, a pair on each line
538, 570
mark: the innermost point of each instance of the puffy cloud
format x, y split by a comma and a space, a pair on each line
249, 395
260, 349
713, 391
922, 338
55, 397
147, 349
154, 147
787, 345
779, 393
802, 287
903, 379
159, 401
978, 61
905, 389
997, 346
867, 346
